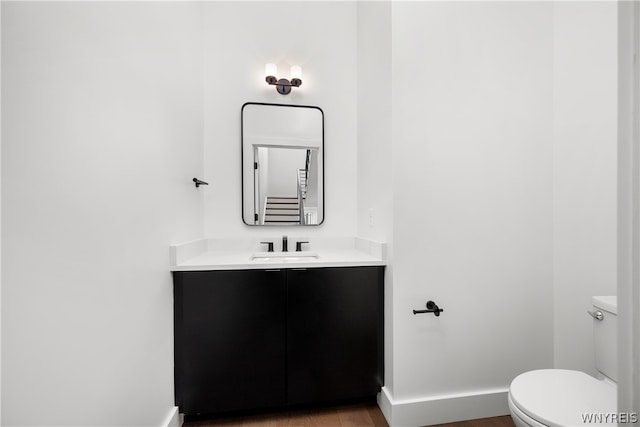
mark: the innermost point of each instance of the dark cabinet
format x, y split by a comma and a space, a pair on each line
251, 339
229, 340
334, 333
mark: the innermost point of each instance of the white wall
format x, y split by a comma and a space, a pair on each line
584, 172
283, 170
102, 115
628, 273
0, 220
313, 182
375, 191
472, 185
239, 38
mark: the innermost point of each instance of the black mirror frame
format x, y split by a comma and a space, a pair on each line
242, 160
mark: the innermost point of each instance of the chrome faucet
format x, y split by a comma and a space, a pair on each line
285, 244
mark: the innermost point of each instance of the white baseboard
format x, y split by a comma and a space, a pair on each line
443, 409
174, 418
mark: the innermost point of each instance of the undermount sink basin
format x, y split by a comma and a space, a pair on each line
283, 256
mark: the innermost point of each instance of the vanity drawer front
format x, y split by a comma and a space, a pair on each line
230, 340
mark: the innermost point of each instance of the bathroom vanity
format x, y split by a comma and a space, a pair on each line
264, 334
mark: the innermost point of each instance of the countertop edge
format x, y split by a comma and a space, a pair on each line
280, 265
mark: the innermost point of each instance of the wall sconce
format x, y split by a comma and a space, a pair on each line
283, 86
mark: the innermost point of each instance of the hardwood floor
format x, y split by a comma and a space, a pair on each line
342, 416
505, 421
361, 415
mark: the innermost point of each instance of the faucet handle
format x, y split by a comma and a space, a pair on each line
299, 246
269, 246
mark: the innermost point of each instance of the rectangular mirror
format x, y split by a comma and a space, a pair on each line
282, 164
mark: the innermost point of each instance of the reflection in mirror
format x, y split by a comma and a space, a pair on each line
282, 164
286, 185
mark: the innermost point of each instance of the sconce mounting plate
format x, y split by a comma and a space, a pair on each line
283, 86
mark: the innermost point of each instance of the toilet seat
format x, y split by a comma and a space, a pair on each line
559, 397
518, 415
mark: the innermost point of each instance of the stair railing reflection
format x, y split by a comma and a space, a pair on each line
300, 199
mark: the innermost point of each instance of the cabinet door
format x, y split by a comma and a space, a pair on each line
334, 333
229, 340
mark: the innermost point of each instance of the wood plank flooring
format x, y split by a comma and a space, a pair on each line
361, 415
342, 416
505, 421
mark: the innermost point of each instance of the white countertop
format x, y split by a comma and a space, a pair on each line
208, 254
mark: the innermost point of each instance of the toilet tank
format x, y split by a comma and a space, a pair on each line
605, 336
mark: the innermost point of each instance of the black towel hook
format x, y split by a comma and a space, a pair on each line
199, 183
432, 307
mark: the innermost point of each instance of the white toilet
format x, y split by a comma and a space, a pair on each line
561, 398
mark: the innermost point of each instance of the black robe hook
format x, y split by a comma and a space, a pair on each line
199, 183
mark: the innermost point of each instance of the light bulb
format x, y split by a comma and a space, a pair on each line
296, 72
270, 70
